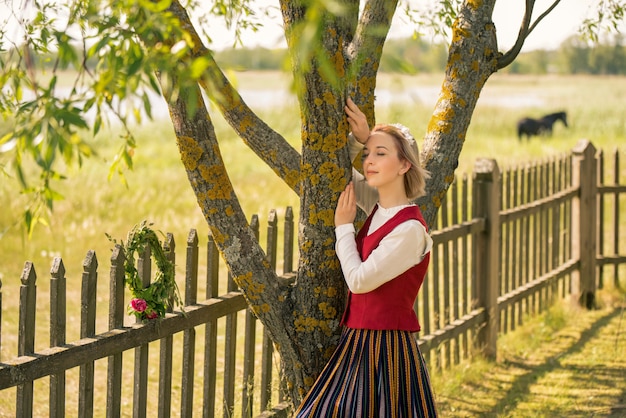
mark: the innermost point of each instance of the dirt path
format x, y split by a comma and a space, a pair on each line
577, 371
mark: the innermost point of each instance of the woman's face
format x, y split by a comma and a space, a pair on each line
381, 164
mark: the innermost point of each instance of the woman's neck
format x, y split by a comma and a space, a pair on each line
389, 199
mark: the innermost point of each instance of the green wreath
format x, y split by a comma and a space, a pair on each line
155, 300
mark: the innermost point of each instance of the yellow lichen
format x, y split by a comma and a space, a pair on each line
291, 177
253, 289
335, 176
218, 237
325, 216
217, 179
366, 84
328, 311
190, 152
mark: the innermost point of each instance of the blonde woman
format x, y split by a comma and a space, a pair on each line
377, 369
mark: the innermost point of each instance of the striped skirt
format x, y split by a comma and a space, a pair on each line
372, 373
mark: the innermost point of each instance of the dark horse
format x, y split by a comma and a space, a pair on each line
543, 126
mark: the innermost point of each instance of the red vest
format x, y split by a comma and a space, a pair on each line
389, 306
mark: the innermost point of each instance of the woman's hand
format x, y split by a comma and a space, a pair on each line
358, 122
346, 206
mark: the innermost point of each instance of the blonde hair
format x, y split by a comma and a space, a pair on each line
415, 178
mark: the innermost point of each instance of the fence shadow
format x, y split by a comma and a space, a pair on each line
520, 376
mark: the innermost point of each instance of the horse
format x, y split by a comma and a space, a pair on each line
542, 126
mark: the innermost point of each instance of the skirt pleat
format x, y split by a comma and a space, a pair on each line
372, 373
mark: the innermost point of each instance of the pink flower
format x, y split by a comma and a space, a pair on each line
152, 315
139, 305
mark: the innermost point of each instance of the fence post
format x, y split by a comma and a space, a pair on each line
189, 335
116, 320
165, 347
26, 336
487, 205
584, 219
88, 298
57, 334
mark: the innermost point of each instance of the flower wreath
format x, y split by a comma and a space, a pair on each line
155, 300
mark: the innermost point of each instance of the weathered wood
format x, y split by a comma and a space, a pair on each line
116, 320
87, 329
456, 277
616, 216
600, 203
530, 288
539, 248
288, 240
268, 347
26, 336
230, 354
57, 334
29, 367
165, 347
505, 239
445, 279
140, 385
486, 194
210, 333
472, 320
247, 393
465, 285
584, 234
189, 335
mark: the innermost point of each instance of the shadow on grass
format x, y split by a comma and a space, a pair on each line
595, 376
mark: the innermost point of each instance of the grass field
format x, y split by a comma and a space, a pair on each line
158, 189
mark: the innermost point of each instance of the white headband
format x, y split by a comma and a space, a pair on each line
407, 135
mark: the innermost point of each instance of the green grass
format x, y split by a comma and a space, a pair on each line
566, 362
158, 189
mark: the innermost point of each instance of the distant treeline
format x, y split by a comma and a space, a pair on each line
419, 56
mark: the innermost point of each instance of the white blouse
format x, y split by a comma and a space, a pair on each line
398, 251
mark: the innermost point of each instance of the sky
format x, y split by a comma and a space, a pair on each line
560, 24
563, 22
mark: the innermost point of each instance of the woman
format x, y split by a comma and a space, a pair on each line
377, 369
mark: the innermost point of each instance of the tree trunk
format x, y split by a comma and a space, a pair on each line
342, 60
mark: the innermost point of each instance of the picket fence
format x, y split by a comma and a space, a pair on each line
506, 246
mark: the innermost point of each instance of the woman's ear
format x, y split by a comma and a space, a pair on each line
406, 166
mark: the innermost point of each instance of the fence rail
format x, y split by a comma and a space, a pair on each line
506, 245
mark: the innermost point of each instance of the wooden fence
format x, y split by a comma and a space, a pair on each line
507, 244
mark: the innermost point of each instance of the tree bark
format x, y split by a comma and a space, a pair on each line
341, 60
472, 58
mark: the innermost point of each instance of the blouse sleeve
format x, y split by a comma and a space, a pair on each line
401, 249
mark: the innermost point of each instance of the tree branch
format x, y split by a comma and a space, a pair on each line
525, 30
270, 146
217, 199
366, 50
